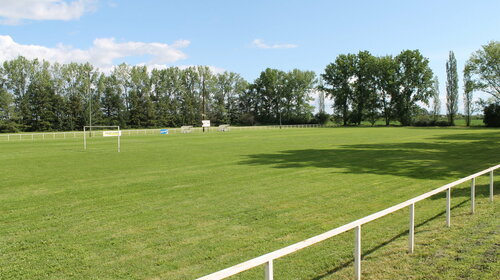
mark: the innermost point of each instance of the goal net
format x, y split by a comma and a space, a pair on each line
94, 131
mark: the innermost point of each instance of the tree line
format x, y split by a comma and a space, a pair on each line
39, 96
395, 88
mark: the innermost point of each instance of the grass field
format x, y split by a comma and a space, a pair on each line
182, 206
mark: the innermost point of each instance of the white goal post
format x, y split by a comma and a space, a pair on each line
113, 133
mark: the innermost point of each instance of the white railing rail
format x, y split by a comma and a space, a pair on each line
267, 259
130, 132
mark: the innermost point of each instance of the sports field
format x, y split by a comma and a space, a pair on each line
185, 205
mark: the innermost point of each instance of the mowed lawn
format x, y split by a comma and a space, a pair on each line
181, 206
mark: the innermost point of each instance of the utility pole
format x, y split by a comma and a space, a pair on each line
90, 101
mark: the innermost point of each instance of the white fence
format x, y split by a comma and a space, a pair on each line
131, 132
267, 259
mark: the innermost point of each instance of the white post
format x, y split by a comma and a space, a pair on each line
8, 137
119, 139
448, 202
491, 185
53, 136
472, 195
411, 244
31, 136
84, 139
357, 253
268, 271
64, 133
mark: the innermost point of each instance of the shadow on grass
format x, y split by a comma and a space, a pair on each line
462, 192
440, 157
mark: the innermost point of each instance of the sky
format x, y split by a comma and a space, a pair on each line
244, 36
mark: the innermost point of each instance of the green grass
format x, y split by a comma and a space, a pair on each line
185, 205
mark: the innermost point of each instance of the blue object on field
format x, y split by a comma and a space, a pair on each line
163, 131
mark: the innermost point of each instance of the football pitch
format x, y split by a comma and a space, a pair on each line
181, 206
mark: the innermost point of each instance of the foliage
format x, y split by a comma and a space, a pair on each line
492, 115
468, 102
483, 68
414, 83
321, 118
436, 101
280, 97
365, 87
451, 88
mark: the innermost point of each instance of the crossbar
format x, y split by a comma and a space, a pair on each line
269, 257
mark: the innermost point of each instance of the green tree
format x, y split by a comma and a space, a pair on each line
190, 98
229, 87
268, 88
436, 101
484, 69
468, 103
338, 84
41, 101
112, 105
414, 85
142, 112
296, 96
386, 81
19, 73
451, 88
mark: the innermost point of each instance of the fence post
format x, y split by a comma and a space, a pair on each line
411, 244
357, 253
472, 195
448, 202
268, 271
491, 185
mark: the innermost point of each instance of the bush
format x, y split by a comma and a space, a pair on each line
247, 119
321, 118
7, 126
427, 121
492, 115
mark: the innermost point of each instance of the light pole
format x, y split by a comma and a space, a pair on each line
90, 105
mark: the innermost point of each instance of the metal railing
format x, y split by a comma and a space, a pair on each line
131, 132
267, 259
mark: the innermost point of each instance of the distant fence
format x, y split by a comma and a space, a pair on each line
131, 132
267, 259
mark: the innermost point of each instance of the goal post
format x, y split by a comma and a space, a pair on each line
105, 133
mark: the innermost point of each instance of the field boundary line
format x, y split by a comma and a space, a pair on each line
267, 259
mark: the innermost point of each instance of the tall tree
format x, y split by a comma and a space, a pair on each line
468, 89
386, 80
142, 113
19, 73
414, 85
338, 84
484, 69
436, 100
321, 96
451, 88
42, 103
363, 81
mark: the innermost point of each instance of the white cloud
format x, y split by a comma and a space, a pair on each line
14, 11
102, 54
259, 43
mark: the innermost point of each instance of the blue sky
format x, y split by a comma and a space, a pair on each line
243, 36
